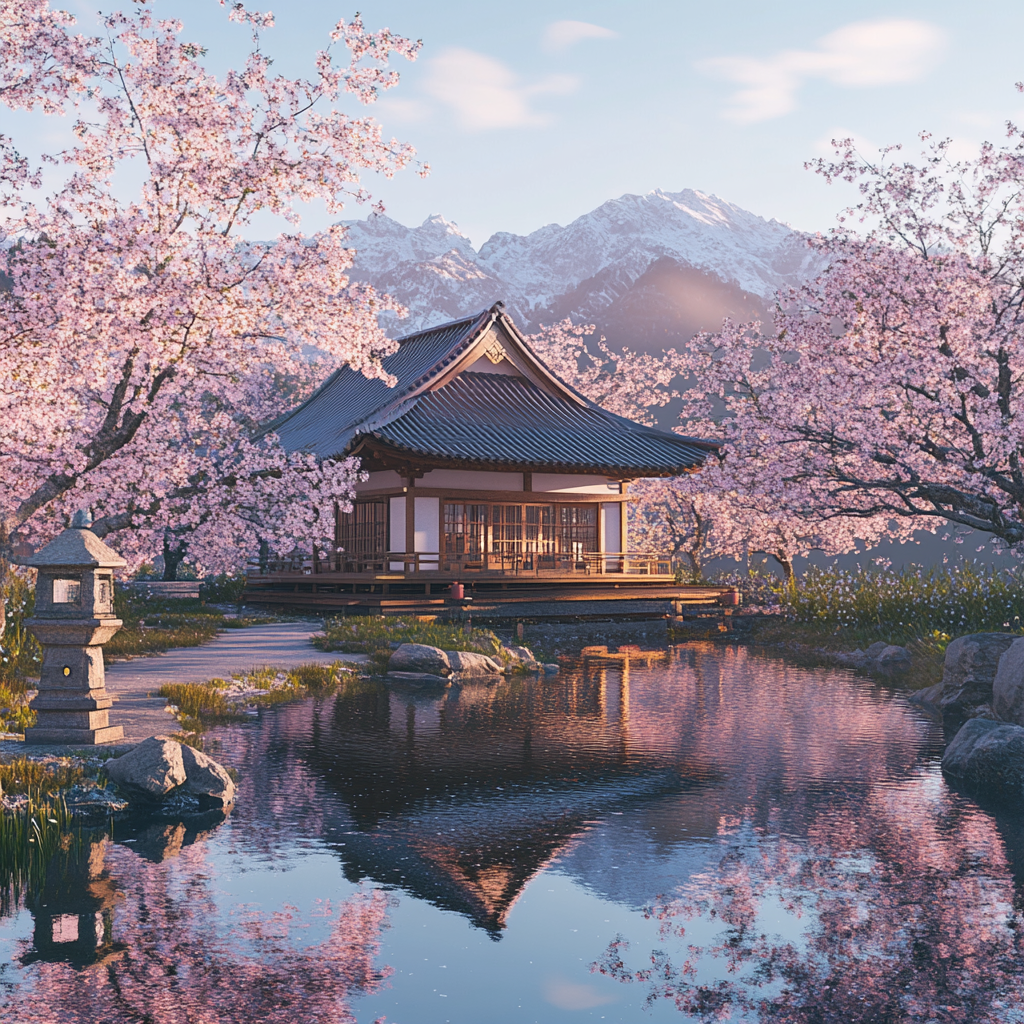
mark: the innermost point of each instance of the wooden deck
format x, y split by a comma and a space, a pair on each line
488, 595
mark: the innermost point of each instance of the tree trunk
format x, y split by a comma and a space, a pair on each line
782, 557
175, 550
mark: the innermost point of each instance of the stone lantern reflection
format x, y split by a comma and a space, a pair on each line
74, 617
73, 909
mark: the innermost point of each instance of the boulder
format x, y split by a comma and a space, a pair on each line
876, 649
550, 668
1008, 685
206, 779
969, 671
150, 771
418, 680
470, 663
420, 658
989, 755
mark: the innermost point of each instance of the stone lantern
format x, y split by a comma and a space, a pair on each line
74, 616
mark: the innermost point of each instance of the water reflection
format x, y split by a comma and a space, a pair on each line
777, 840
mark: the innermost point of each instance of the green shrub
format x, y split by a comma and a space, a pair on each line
223, 589
20, 653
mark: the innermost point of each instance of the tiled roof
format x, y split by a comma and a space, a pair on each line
478, 418
324, 425
504, 421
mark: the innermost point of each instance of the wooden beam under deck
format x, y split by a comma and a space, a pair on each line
395, 594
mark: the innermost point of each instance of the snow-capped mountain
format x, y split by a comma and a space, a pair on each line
644, 268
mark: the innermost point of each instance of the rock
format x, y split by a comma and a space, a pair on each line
894, 658
930, 695
418, 680
470, 663
876, 649
969, 671
420, 658
206, 779
150, 771
1008, 685
522, 657
988, 754
550, 668
86, 801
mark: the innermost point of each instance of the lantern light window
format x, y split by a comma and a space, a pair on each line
67, 591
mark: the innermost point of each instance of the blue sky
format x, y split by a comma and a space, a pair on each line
536, 112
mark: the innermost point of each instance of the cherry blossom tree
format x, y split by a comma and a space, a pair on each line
144, 343
732, 506
888, 390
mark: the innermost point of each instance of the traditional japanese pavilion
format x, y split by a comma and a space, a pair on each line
483, 468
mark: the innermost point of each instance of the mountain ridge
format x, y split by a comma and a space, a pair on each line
591, 267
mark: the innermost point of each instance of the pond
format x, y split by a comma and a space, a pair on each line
695, 835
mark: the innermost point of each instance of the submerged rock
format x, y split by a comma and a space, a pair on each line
471, 663
1008, 685
149, 772
988, 754
420, 658
418, 680
206, 779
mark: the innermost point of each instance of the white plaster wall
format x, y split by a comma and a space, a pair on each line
397, 531
379, 480
469, 480
428, 528
574, 483
611, 523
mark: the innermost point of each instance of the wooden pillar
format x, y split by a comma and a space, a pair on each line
410, 520
624, 512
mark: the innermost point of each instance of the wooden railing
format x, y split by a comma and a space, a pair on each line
587, 563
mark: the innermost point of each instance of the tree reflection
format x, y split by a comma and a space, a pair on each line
163, 951
900, 908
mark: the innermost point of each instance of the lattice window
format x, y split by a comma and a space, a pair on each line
362, 532
578, 529
465, 529
507, 532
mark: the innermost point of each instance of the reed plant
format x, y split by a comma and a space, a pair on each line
34, 836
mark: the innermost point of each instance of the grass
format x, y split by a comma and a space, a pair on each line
375, 635
197, 706
23, 775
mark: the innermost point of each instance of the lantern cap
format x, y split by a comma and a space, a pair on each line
74, 548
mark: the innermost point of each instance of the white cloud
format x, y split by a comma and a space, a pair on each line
865, 53
484, 93
560, 35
